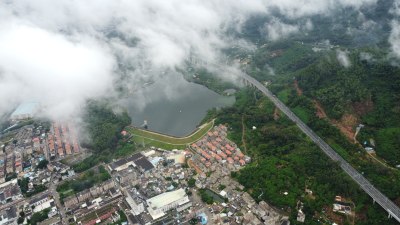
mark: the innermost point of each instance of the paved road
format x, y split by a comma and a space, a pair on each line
56, 196
377, 196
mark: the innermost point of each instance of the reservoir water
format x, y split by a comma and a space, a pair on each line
173, 105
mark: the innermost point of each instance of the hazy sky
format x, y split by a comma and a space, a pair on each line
64, 52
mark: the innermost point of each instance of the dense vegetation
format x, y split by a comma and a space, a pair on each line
122, 218
42, 164
369, 90
104, 128
284, 160
209, 197
23, 185
208, 79
39, 216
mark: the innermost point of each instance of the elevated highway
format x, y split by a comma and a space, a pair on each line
376, 195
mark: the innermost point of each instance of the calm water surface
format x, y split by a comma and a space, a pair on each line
173, 107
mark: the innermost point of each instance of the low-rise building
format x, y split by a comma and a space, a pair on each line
96, 191
83, 195
135, 202
39, 200
160, 204
8, 216
10, 191
107, 185
51, 221
70, 201
136, 160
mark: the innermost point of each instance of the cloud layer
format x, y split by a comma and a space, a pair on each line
64, 52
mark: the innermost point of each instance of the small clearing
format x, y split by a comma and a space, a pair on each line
320, 111
346, 124
298, 90
276, 114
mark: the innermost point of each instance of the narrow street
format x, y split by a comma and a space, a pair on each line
56, 196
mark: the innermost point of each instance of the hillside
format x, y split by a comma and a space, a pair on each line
368, 91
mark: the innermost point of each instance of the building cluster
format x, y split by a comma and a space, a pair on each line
216, 148
8, 216
238, 206
43, 202
155, 193
151, 187
88, 197
25, 150
138, 187
12, 198
10, 194
21, 160
62, 140
340, 205
94, 205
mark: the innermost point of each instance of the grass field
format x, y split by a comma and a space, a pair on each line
284, 95
168, 142
301, 113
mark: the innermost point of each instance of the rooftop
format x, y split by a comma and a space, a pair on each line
165, 198
25, 108
144, 164
139, 160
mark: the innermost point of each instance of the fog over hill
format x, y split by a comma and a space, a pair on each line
65, 52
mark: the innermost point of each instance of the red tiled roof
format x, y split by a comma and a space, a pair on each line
223, 155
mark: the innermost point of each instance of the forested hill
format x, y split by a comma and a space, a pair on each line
371, 81
368, 89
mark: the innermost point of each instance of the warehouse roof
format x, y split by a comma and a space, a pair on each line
25, 108
165, 198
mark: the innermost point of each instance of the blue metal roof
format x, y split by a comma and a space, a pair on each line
25, 108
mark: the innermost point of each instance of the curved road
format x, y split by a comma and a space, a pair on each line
375, 194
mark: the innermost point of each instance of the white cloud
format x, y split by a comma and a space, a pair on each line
367, 57
276, 29
395, 10
394, 38
65, 51
38, 64
343, 58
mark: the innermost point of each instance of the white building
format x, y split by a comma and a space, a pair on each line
136, 204
158, 205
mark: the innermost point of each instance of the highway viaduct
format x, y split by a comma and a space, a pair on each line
376, 195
